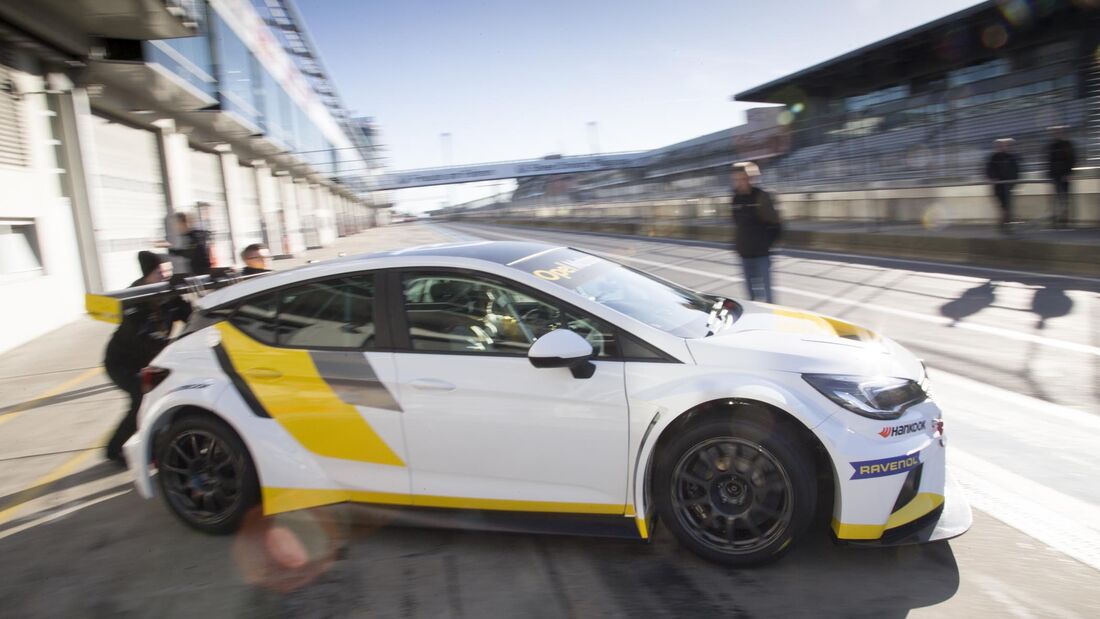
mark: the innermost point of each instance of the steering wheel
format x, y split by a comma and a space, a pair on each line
542, 315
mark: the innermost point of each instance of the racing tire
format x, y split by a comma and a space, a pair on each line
736, 491
206, 474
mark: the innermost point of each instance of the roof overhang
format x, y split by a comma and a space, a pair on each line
147, 86
823, 71
73, 26
126, 19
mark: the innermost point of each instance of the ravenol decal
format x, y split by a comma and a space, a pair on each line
903, 429
884, 467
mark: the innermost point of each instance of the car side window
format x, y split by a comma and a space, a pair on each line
257, 317
331, 313
457, 313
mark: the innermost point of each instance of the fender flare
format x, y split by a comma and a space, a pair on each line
642, 474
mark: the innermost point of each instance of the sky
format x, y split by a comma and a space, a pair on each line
520, 79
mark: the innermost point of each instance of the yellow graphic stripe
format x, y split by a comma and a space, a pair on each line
292, 391
921, 505
107, 309
643, 527
857, 531
277, 500
816, 324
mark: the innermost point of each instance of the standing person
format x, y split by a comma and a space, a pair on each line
194, 245
756, 228
142, 335
1061, 159
1003, 169
256, 258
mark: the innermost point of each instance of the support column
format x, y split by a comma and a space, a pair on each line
175, 167
267, 195
231, 179
78, 159
292, 225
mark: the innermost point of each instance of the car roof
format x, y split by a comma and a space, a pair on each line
500, 252
505, 253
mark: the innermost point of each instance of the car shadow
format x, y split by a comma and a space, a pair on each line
126, 557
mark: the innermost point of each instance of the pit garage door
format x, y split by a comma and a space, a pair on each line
207, 186
129, 206
250, 216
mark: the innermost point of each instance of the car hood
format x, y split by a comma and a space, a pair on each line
772, 337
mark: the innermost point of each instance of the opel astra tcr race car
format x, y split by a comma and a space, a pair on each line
523, 377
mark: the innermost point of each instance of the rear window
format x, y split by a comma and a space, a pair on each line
333, 313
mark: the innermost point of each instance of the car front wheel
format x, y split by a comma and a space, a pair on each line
736, 491
206, 474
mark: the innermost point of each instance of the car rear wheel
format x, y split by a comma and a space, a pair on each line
736, 491
206, 474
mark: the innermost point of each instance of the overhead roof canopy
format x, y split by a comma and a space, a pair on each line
949, 40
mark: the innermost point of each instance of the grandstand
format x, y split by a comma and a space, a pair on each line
925, 105
919, 109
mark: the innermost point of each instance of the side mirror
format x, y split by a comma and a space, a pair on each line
563, 348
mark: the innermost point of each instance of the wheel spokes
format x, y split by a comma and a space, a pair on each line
709, 482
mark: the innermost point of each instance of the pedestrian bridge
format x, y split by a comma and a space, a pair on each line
451, 175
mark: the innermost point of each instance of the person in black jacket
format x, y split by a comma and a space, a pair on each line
1003, 169
1061, 159
194, 245
144, 332
756, 228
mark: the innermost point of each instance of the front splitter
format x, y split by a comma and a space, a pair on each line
951, 520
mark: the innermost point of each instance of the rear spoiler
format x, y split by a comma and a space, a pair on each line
111, 306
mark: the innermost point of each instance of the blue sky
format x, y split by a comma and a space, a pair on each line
518, 79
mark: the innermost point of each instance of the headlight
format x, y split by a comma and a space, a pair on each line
875, 397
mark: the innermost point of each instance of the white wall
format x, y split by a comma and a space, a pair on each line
34, 304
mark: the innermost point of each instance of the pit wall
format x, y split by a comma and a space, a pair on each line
877, 221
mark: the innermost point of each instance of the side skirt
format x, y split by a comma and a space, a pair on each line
590, 525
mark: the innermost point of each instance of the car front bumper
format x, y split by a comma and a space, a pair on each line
137, 460
949, 520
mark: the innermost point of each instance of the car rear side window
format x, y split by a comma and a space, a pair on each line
332, 313
257, 317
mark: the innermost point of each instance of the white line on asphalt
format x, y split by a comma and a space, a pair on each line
59, 514
1070, 417
1067, 524
882, 309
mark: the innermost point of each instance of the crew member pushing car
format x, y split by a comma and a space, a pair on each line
144, 332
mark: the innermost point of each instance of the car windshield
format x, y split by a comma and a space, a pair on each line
654, 301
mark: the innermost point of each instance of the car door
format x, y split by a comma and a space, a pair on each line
309, 354
484, 428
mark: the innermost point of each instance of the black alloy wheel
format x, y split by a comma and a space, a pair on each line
732, 495
736, 492
206, 475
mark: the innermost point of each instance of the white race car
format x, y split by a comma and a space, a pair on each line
521, 377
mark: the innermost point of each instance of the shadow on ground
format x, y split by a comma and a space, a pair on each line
126, 557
